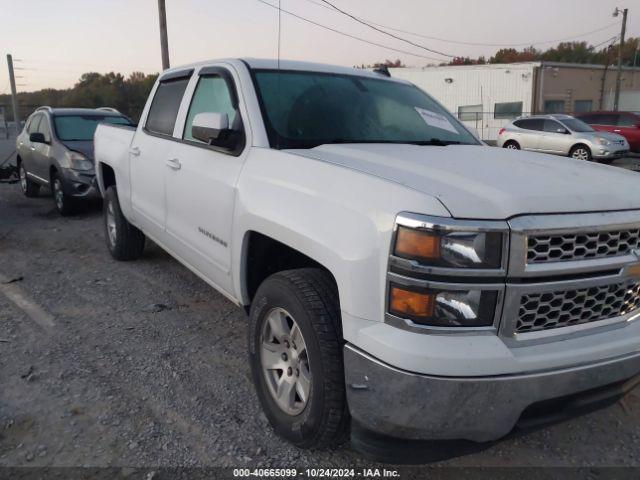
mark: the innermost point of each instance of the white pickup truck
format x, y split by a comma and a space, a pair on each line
399, 275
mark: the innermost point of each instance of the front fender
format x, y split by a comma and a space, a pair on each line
341, 218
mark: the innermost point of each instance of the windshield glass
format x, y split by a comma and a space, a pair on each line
82, 127
307, 109
576, 125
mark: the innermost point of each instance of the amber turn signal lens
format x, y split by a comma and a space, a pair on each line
413, 304
416, 244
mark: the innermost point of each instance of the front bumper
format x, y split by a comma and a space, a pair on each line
80, 184
609, 153
400, 404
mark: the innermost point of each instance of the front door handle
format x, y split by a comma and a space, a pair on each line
617, 131
33, 149
135, 151
174, 164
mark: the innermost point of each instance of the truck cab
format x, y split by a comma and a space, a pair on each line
398, 274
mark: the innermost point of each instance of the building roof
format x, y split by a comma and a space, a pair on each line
516, 66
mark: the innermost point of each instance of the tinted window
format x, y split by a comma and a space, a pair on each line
211, 95
533, 124
82, 127
606, 119
507, 110
34, 123
554, 106
306, 109
552, 126
627, 121
470, 112
165, 105
582, 106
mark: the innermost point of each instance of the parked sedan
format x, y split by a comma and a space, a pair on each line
562, 135
626, 124
55, 150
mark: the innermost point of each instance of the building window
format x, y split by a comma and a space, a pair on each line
554, 106
582, 106
470, 113
507, 110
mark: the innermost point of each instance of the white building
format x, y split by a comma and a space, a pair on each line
487, 97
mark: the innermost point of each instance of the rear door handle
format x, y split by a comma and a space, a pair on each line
135, 151
617, 131
174, 164
33, 149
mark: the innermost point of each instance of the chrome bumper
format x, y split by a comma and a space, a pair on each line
400, 404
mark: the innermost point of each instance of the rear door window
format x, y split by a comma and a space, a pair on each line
552, 126
627, 121
606, 119
165, 105
533, 124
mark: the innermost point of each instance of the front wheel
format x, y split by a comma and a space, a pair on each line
125, 241
580, 152
295, 353
511, 145
65, 204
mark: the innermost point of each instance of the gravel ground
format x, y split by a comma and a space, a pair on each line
142, 364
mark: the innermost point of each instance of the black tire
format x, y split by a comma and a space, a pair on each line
65, 204
126, 242
29, 187
511, 145
311, 298
582, 150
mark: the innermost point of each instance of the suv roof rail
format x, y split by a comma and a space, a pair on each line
108, 109
44, 107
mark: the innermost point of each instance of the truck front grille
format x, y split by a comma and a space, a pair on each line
563, 308
581, 246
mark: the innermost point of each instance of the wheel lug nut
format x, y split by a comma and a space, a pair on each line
284, 357
289, 371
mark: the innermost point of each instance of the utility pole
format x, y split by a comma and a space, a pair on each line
164, 42
14, 95
616, 101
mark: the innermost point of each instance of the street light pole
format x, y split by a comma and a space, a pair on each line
14, 95
616, 101
164, 42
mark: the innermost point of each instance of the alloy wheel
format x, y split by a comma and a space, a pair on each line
111, 224
580, 154
285, 363
23, 179
512, 146
58, 194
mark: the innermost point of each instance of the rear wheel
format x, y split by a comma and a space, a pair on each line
29, 187
65, 204
125, 242
295, 353
512, 145
580, 152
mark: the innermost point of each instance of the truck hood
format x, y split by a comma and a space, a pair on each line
491, 183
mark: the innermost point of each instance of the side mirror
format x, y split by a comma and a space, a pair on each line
210, 127
37, 137
562, 130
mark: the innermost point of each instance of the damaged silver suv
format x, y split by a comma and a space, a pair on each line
55, 150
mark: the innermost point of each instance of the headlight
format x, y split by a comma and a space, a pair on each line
603, 141
444, 308
453, 249
77, 161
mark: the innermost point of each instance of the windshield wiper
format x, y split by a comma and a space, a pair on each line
435, 141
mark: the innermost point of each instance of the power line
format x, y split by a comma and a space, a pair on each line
608, 40
373, 27
478, 44
348, 34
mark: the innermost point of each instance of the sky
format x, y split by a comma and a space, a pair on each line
54, 42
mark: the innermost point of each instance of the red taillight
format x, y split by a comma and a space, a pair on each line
501, 131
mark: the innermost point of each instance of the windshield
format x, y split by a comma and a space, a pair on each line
82, 127
576, 125
307, 109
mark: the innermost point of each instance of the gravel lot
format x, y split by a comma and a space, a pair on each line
142, 364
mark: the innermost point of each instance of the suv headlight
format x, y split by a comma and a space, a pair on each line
603, 141
78, 161
427, 250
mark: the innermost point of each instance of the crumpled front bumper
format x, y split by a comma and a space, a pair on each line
80, 183
400, 404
